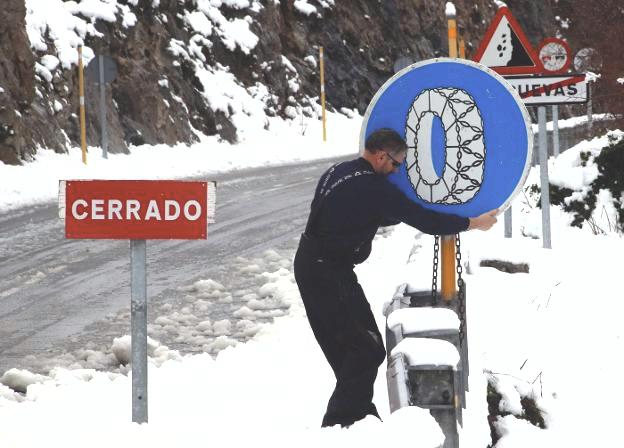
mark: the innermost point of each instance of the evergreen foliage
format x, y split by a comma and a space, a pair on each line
610, 164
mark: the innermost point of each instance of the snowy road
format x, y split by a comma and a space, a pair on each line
54, 291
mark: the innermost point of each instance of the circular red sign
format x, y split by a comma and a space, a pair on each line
555, 55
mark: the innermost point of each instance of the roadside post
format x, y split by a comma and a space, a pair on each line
585, 60
137, 210
322, 68
447, 267
555, 120
83, 131
451, 17
541, 79
102, 70
465, 166
544, 182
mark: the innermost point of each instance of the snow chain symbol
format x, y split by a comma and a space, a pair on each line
464, 147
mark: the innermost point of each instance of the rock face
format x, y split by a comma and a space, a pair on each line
17, 79
215, 66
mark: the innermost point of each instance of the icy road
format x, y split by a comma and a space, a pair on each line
56, 294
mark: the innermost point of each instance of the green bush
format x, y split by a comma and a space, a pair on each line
610, 164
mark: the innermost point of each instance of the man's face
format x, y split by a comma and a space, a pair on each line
392, 162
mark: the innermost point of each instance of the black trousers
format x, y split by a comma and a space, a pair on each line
344, 327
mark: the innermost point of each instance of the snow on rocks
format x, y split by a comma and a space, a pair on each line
304, 7
67, 28
233, 33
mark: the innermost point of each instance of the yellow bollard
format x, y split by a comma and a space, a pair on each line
462, 48
322, 64
83, 130
447, 249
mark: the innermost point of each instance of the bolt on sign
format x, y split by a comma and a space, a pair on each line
137, 210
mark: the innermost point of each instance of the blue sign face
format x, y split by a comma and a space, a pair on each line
467, 131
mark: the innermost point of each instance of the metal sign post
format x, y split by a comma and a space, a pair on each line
555, 120
137, 211
102, 70
103, 108
541, 91
590, 114
543, 152
508, 223
138, 323
83, 131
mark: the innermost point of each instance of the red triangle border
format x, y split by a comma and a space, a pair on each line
516, 28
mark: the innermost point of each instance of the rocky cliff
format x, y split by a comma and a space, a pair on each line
217, 67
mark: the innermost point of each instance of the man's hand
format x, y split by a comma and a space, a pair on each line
483, 222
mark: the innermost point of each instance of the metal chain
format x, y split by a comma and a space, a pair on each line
436, 262
461, 299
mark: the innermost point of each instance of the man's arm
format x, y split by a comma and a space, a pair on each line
396, 206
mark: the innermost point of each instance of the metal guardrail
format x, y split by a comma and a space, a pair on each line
427, 361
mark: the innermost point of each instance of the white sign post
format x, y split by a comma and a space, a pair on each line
545, 183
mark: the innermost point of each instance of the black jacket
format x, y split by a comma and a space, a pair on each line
351, 202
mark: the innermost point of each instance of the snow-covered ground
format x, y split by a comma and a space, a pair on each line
553, 334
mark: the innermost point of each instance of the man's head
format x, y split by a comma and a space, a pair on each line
385, 150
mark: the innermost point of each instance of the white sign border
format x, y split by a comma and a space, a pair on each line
211, 206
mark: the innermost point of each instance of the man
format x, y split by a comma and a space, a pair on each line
352, 200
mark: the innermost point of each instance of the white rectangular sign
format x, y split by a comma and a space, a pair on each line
541, 90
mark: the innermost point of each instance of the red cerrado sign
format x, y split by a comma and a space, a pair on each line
136, 209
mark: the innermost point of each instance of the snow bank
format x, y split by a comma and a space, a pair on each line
37, 182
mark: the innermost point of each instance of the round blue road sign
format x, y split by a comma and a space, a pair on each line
468, 135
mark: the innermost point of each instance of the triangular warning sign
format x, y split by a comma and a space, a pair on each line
506, 49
